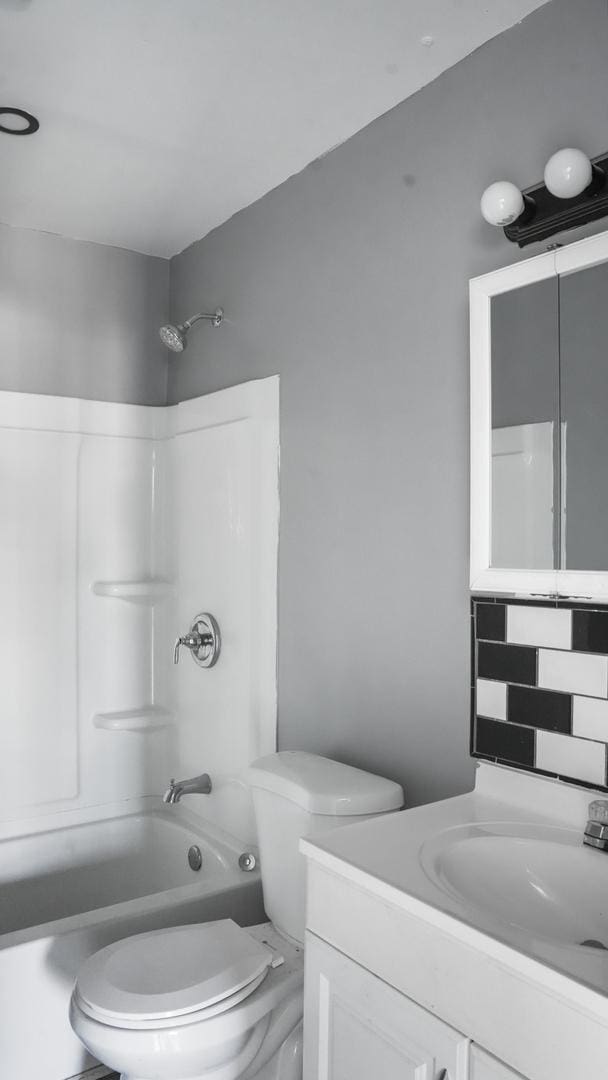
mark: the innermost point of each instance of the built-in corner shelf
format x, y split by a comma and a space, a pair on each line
148, 591
148, 718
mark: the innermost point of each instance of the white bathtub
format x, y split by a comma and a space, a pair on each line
66, 893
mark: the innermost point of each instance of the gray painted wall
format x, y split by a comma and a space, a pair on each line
81, 320
350, 280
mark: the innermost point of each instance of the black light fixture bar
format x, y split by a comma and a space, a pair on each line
546, 215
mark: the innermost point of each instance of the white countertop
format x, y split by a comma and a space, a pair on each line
392, 856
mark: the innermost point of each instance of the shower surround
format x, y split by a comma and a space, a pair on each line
120, 524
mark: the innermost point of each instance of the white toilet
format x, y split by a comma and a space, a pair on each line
214, 1001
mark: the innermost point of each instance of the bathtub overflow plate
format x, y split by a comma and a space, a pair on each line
247, 861
195, 858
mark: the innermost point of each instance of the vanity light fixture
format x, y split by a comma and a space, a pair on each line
568, 173
574, 192
503, 203
25, 124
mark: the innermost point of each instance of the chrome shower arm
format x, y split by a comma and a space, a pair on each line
215, 318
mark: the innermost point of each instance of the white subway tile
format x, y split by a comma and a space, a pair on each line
574, 673
539, 626
590, 718
491, 699
567, 756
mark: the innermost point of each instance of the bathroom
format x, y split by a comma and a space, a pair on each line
301, 474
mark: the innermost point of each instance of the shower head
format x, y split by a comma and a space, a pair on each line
175, 337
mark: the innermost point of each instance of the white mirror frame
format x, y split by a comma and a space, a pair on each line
484, 577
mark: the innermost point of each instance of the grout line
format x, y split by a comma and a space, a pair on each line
545, 689
564, 604
547, 648
533, 727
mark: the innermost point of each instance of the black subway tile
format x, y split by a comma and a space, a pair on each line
583, 605
491, 622
508, 663
521, 602
590, 631
540, 708
506, 741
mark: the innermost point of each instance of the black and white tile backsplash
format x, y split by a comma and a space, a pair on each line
540, 687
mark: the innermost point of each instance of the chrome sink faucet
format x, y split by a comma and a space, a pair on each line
596, 829
198, 785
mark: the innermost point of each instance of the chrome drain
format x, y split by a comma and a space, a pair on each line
195, 857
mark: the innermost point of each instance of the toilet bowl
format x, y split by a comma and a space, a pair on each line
215, 1001
205, 1002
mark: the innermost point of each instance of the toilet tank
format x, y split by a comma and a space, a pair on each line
297, 794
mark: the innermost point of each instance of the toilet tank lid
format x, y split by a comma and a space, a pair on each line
322, 786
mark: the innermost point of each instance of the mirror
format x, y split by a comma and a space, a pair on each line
539, 416
525, 422
583, 352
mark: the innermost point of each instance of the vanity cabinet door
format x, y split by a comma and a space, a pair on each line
485, 1067
356, 1027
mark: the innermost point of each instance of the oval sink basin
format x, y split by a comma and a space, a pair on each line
541, 880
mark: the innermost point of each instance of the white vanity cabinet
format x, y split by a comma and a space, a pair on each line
357, 1027
483, 1066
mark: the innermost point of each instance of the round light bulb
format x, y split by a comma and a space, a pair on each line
568, 173
502, 203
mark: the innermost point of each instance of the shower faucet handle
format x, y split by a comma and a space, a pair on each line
203, 640
191, 641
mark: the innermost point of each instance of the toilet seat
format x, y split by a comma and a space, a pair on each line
129, 1023
172, 976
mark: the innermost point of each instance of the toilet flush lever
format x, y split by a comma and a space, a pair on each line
203, 640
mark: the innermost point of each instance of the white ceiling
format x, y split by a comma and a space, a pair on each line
161, 118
